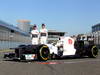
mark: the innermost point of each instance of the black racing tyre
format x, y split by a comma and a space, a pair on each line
43, 53
93, 52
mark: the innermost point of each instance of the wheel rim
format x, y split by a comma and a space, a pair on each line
44, 52
94, 51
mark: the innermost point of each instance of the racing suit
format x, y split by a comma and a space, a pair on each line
35, 37
43, 36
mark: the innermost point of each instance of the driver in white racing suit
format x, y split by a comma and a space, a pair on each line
35, 35
43, 35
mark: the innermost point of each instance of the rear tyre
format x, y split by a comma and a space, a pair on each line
93, 52
43, 53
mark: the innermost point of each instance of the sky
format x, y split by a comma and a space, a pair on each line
72, 16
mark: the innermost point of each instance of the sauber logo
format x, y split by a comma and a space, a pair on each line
70, 41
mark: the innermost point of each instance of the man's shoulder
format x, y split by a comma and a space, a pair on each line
34, 31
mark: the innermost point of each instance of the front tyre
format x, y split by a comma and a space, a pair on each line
43, 53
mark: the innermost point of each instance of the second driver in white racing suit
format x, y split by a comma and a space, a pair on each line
43, 35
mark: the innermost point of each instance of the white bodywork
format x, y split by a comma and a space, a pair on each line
68, 46
53, 49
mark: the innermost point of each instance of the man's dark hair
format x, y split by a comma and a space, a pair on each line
43, 24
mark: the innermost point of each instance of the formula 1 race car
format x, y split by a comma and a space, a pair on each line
66, 46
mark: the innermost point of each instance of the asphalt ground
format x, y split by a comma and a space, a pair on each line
68, 66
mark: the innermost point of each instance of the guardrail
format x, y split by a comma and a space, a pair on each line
6, 50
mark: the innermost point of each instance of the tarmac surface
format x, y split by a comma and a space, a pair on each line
69, 66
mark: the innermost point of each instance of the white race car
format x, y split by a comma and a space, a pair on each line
66, 46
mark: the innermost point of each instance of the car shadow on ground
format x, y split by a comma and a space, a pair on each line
50, 60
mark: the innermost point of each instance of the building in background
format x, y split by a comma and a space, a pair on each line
11, 36
96, 33
24, 25
96, 27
